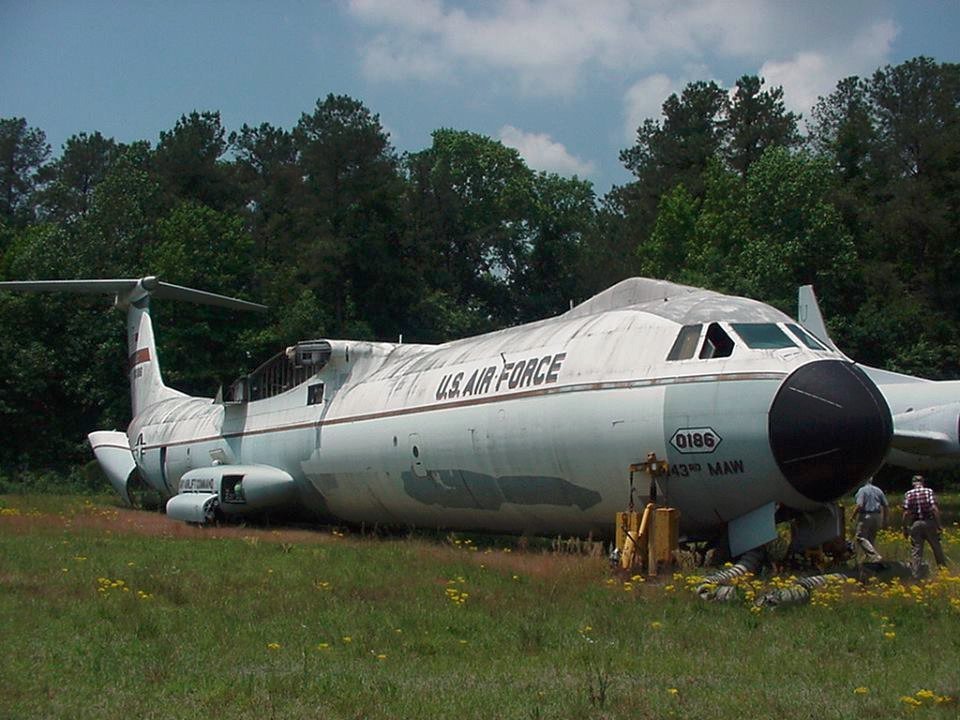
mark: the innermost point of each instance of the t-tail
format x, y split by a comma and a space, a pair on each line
133, 295
146, 382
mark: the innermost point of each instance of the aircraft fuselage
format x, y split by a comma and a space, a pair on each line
530, 429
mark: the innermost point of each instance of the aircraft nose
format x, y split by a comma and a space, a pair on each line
830, 428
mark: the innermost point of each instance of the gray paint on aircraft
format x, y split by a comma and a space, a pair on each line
465, 489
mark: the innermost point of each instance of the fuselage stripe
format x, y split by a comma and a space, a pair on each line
140, 356
504, 397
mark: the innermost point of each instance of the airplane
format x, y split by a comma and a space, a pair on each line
926, 413
529, 429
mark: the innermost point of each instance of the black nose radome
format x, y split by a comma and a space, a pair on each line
830, 428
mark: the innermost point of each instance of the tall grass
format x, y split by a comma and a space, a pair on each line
108, 613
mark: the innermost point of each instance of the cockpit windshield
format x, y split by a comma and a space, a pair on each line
806, 338
716, 343
763, 336
686, 343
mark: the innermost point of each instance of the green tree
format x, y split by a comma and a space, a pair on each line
562, 220
63, 360
842, 128
471, 200
347, 239
721, 231
23, 152
269, 183
188, 161
760, 236
665, 254
200, 247
757, 119
84, 163
676, 150
796, 235
111, 238
916, 222
679, 148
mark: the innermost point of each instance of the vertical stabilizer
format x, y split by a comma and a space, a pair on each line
809, 315
146, 382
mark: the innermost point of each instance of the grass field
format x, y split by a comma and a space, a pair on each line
115, 613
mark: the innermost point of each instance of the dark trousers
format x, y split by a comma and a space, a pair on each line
924, 531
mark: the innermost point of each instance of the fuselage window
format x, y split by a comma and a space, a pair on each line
315, 394
763, 336
686, 343
806, 338
717, 344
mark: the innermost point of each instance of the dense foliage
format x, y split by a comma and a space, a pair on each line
344, 237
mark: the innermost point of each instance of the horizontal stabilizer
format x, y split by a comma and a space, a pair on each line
131, 289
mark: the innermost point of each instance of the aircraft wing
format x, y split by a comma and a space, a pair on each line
888, 377
923, 442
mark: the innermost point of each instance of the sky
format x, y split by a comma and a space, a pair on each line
565, 82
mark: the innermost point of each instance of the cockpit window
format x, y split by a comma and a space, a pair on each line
716, 344
763, 336
806, 338
686, 343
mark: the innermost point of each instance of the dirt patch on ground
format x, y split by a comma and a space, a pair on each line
505, 554
130, 521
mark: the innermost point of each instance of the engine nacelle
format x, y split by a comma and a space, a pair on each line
231, 489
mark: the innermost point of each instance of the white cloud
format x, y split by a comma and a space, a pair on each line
644, 100
393, 61
811, 74
541, 152
544, 44
547, 47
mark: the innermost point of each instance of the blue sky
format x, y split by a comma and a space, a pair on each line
566, 82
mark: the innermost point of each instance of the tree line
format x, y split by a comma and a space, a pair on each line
343, 236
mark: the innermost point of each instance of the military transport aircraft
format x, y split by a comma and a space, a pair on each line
926, 413
527, 429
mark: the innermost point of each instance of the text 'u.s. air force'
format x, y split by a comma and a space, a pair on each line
532, 372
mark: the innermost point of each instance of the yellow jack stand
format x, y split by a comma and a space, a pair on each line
648, 540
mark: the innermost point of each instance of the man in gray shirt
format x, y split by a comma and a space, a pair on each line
871, 515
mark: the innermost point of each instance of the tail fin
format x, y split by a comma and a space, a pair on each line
133, 295
146, 382
810, 317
